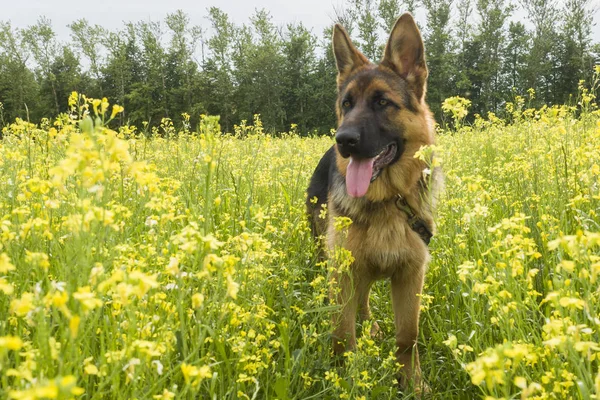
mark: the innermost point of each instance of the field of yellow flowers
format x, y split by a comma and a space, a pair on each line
179, 264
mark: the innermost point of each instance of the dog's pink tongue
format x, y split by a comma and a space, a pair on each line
358, 176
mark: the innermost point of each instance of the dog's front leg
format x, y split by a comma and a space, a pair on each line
406, 288
364, 312
347, 293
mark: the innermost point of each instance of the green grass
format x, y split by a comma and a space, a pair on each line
182, 265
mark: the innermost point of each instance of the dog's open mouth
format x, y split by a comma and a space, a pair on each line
383, 159
361, 172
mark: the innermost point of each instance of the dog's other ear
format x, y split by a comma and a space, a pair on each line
347, 57
405, 54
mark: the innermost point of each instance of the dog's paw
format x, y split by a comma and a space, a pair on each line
422, 390
413, 390
376, 332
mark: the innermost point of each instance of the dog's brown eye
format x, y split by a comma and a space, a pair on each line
346, 104
382, 102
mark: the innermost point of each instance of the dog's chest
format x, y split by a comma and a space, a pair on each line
381, 241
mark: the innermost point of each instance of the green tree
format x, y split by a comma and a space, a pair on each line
18, 88
491, 38
66, 69
41, 41
258, 71
266, 66
388, 12
299, 67
89, 42
216, 78
182, 83
287, 74
439, 48
122, 73
149, 95
575, 62
515, 56
542, 62
324, 87
364, 13
464, 31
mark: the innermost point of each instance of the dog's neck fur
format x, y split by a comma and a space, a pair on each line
360, 210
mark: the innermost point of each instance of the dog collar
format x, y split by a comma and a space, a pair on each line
416, 224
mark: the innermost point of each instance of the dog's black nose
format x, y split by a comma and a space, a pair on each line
347, 138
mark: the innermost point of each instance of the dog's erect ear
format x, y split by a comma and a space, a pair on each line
405, 54
347, 57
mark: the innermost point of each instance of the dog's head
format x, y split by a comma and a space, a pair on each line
381, 108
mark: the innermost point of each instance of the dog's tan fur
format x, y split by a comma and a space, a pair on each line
380, 239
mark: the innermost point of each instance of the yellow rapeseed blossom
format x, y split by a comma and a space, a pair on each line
74, 323
123, 249
6, 287
197, 300
5, 264
10, 343
87, 299
194, 375
38, 260
23, 305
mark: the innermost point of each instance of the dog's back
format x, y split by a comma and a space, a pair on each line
317, 193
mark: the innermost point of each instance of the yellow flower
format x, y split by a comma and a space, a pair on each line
68, 385
451, 341
173, 267
165, 395
59, 299
116, 110
145, 282
90, 369
10, 343
37, 259
50, 391
54, 348
232, 287
6, 287
73, 99
74, 325
197, 300
87, 298
189, 371
193, 375
520, 382
5, 264
104, 105
567, 265
22, 306
95, 104
571, 302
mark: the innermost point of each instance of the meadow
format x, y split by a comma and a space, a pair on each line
179, 263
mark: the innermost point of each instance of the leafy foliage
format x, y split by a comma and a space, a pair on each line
286, 74
179, 263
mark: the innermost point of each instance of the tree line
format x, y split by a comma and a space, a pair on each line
476, 49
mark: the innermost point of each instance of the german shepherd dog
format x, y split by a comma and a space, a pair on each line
372, 176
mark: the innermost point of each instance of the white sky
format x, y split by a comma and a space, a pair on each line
315, 14
111, 14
